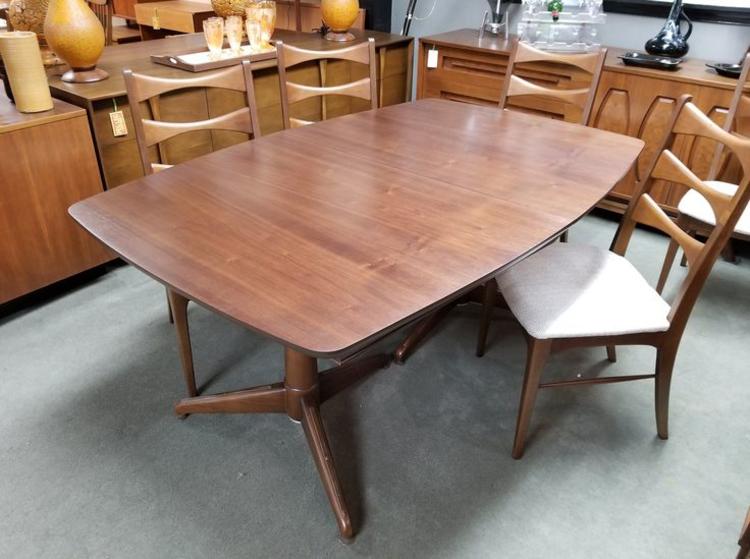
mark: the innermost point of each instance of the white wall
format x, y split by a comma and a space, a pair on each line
711, 41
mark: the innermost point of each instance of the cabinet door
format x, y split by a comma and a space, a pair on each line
53, 166
641, 106
462, 75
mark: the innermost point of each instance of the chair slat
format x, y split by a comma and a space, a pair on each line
356, 53
588, 62
359, 89
156, 131
520, 87
670, 168
147, 87
648, 212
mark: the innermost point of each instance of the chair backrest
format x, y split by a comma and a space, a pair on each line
103, 10
288, 56
688, 119
739, 108
153, 131
583, 98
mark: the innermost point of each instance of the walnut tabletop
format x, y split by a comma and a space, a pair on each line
327, 237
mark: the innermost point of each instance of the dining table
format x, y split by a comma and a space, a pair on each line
328, 238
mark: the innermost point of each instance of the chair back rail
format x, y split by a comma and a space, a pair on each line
687, 119
154, 131
583, 98
738, 108
291, 92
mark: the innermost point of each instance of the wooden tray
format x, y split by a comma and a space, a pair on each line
197, 61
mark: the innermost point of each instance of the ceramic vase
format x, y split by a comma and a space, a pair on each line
77, 36
339, 15
671, 41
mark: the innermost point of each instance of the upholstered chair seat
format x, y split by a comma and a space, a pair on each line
574, 290
694, 205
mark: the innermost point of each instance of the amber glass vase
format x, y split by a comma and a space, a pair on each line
339, 15
76, 35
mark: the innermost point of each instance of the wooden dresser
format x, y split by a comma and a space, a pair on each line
632, 101
48, 163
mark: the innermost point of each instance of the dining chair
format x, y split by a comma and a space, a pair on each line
694, 212
292, 92
151, 131
515, 86
570, 295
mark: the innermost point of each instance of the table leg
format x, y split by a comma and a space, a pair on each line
420, 332
299, 396
178, 312
303, 404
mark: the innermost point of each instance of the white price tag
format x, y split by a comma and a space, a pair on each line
432, 58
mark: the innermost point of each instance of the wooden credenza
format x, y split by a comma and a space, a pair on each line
633, 101
48, 164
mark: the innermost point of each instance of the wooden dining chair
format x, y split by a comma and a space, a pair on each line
569, 295
582, 98
291, 92
695, 214
151, 131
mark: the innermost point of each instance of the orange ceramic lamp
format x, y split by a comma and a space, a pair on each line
339, 15
76, 36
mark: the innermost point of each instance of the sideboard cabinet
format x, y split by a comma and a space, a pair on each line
48, 164
633, 101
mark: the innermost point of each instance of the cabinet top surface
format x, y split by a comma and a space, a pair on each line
326, 237
12, 119
137, 57
692, 70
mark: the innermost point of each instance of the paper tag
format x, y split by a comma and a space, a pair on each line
119, 128
155, 19
432, 58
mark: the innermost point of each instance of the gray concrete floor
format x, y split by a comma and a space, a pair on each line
93, 462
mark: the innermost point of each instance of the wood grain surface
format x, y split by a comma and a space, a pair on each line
329, 236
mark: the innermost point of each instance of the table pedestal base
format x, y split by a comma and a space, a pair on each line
299, 396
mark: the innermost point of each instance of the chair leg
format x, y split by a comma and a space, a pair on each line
179, 304
612, 354
665, 358
728, 254
169, 308
564, 237
667, 266
684, 261
488, 306
538, 353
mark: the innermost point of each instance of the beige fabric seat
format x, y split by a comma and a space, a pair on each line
696, 206
571, 290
